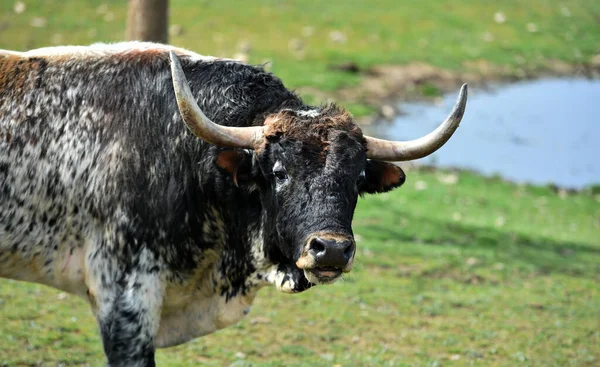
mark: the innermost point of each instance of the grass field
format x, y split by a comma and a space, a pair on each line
452, 269
304, 38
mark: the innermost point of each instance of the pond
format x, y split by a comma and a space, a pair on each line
540, 132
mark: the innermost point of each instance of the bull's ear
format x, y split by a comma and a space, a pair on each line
381, 177
236, 162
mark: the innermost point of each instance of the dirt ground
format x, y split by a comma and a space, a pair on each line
383, 86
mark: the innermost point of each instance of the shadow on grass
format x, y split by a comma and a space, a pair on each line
546, 255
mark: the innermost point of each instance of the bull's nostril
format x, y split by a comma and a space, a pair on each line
349, 251
316, 246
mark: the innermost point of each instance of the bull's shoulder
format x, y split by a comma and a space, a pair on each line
18, 76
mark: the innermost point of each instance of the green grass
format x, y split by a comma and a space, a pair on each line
477, 272
480, 272
446, 34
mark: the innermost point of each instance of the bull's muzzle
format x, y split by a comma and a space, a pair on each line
326, 256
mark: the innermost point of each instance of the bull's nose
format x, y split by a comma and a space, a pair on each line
328, 252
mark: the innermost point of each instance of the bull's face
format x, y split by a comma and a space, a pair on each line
312, 167
309, 166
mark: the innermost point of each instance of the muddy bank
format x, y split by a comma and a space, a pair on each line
383, 86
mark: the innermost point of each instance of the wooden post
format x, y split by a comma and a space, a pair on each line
147, 20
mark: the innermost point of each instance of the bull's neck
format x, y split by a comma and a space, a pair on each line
244, 265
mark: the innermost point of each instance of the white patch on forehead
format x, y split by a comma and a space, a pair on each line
309, 113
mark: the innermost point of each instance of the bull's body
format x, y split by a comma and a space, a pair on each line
106, 194
102, 185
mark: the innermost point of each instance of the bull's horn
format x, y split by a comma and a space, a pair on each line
413, 149
202, 126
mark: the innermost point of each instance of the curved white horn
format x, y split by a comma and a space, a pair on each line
202, 126
386, 150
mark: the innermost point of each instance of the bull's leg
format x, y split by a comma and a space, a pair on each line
127, 309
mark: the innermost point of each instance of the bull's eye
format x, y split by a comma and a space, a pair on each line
280, 175
279, 172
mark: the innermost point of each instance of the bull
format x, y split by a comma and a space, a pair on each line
117, 186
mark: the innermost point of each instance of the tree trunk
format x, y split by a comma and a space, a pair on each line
147, 20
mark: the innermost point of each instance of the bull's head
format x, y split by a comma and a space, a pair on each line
310, 166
